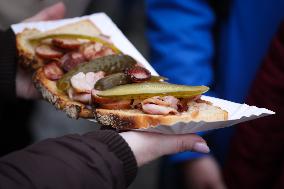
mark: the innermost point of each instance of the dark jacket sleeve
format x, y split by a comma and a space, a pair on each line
7, 65
99, 159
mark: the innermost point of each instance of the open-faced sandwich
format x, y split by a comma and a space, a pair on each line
81, 72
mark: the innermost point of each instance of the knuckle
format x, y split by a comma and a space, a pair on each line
181, 145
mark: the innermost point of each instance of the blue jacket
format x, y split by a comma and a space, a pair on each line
182, 46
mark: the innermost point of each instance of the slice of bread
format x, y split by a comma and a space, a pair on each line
26, 50
136, 119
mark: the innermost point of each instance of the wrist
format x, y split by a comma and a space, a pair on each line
117, 145
141, 148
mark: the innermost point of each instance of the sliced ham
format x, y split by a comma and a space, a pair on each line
90, 50
183, 103
158, 109
172, 101
84, 98
47, 52
85, 82
95, 50
168, 101
71, 60
160, 105
52, 71
155, 100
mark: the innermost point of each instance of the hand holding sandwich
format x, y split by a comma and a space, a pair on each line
150, 146
24, 86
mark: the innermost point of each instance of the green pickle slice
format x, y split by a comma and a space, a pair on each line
150, 89
116, 79
109, 64
112, 81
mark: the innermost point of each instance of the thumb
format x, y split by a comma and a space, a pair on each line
181, 143
53, 12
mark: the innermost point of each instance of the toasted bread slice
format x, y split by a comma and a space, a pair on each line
26, 50
136, 119
59, 99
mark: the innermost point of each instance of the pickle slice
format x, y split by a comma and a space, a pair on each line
76, 36
150, 89
117, 79
112, 81
109, 64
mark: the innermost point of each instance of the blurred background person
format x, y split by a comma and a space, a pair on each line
256, 156
215, 43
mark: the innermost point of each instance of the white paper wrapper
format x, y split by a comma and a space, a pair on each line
237, 112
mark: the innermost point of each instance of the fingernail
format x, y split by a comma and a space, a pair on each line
201, 147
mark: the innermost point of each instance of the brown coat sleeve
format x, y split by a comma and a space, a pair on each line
99, 159
7, 65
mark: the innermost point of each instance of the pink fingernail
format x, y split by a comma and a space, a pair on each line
201, 147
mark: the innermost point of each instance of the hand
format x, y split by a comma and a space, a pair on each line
53, 12
203, 173
24, 86
149, 146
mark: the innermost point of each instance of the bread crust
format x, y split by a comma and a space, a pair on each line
135, 119
26, 54
59, 99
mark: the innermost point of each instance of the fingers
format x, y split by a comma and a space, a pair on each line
24, 86
149, 146
53, 12
185, 142
180, 143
